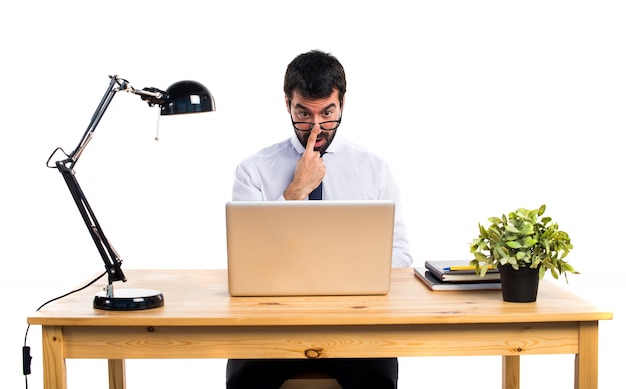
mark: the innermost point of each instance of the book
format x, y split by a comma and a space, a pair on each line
459, 271
435, 284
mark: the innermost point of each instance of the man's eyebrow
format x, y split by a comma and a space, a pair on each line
331, 105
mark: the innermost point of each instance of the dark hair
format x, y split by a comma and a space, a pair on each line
315, 75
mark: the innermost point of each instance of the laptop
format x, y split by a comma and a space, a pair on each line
309, 248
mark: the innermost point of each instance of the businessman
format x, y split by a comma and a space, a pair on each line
315, 165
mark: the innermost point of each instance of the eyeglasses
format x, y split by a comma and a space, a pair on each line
324, 126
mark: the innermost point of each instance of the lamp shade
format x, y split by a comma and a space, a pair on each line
187, 97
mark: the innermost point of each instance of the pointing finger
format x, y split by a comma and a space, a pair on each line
310, 143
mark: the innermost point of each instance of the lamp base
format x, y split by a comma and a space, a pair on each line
129, 300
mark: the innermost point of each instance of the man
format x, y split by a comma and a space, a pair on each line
313, 163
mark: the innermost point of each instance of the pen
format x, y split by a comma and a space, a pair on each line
468, 267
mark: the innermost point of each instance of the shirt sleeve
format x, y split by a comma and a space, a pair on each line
401, 255
247, 185
244, 188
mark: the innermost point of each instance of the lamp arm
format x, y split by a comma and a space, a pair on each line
115, 85
112, 261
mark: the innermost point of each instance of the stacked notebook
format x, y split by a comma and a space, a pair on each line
456, 275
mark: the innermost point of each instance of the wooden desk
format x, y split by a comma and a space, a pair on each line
200, 320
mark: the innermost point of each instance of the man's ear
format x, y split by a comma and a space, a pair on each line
288, 104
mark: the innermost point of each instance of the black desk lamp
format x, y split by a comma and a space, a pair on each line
181, 97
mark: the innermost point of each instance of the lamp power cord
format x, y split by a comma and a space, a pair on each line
26, 357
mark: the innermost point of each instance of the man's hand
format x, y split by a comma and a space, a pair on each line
310, 171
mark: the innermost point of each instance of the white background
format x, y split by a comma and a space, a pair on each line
480, 107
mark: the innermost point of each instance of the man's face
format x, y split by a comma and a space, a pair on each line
316, 111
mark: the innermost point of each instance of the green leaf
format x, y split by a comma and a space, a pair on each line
502, 252
526, 228
511, 228
542, 209
513, 244
555, 274
480, 256
494, 220
542, 271
528, 242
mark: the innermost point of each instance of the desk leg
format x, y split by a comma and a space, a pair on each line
117, 374
586, 362
54, 371
510, 372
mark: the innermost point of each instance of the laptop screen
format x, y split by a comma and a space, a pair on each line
283, 248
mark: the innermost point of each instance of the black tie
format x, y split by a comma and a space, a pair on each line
316, 194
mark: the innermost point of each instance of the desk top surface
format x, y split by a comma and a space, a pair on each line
200, 298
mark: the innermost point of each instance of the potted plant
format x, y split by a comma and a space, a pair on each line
523, 245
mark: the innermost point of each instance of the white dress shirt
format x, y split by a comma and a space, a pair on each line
352, 173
